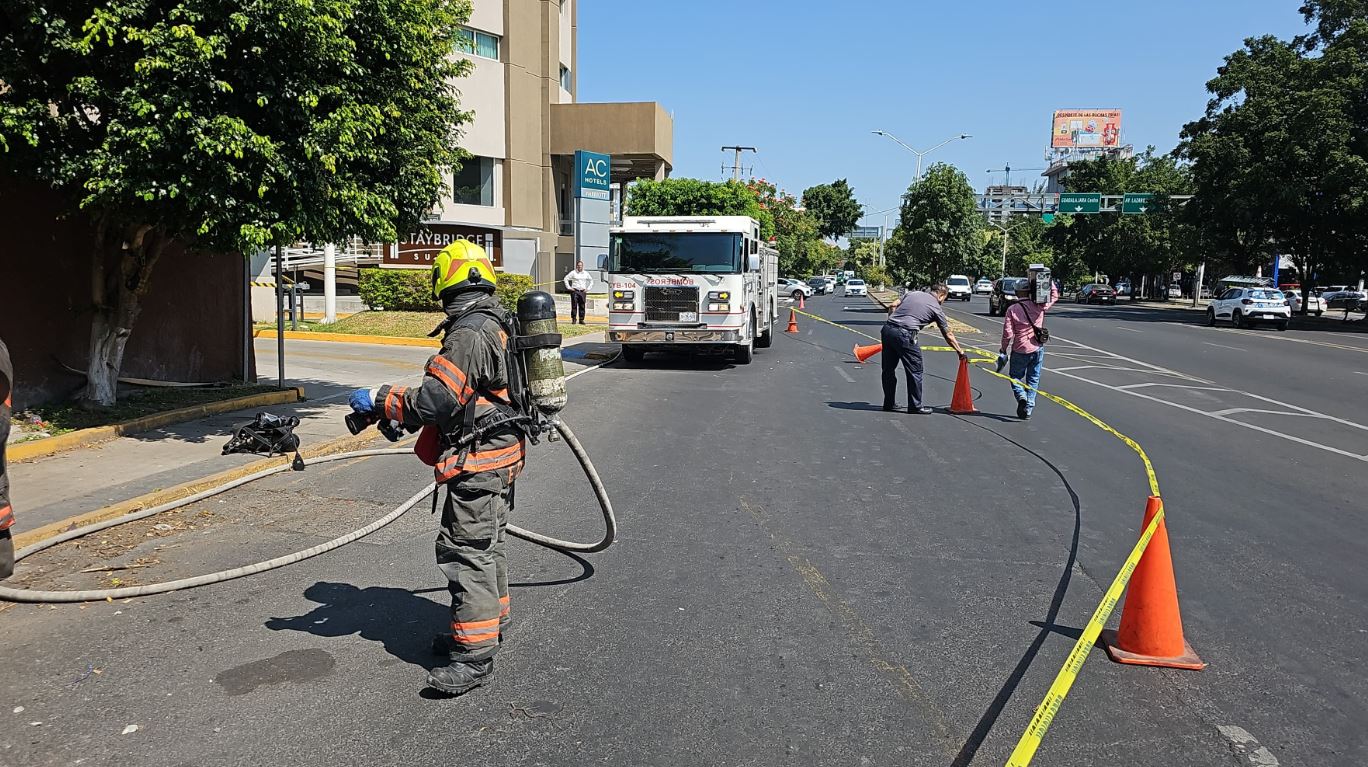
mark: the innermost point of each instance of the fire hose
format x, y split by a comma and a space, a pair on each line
25, 595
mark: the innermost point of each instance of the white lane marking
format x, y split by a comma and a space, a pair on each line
844, 374
1225, 419
1280, 337
1223, 346
1129, 330
1234, 410
1244, 744
1112, 355
1128, 387
1360, 373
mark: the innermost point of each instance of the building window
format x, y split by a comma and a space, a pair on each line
478, 43
565, 77
474, 182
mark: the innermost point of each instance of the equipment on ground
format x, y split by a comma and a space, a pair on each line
863, 353
267, 433
696, 283
962, 403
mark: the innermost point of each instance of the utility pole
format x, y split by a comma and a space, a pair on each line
736, 163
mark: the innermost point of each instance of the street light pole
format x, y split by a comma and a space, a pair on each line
923, 153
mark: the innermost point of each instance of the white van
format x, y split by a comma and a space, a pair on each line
960, 287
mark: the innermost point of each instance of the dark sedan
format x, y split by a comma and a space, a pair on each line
1096, 294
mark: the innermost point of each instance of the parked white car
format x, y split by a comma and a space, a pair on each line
856, 287
793, 288
1246, 306
960, 287
1314, 305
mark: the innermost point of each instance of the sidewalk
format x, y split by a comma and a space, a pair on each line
48, 490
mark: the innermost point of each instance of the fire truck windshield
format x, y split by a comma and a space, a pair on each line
672, 252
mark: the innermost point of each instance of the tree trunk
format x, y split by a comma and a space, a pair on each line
116, 302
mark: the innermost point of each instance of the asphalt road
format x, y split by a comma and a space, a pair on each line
800, 578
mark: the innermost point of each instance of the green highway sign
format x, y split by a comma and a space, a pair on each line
1075, 202
1135, 203
1047, 217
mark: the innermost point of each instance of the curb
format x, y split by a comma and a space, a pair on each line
41, 448
167, 495
350, 338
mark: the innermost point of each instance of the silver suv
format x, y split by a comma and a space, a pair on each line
1245, 306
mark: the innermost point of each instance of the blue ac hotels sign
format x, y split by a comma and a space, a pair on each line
593, 175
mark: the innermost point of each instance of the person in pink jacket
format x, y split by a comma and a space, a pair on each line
1019, 327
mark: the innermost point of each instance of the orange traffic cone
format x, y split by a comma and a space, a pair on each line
793, 322
801, 303
962, 403
1151, 632
863, 353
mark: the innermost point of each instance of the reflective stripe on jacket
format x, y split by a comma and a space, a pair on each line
470, 371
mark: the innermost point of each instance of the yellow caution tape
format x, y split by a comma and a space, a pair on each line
1063, 681
1045, 712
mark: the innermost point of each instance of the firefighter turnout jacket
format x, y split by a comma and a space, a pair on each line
471, 371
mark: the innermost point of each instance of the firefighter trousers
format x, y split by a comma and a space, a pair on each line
471, 554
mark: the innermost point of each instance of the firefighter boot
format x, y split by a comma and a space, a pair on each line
461, 676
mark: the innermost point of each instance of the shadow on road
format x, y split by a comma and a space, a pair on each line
398, 619
1047, 626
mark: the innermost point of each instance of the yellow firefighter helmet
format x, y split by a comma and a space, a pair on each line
462, 265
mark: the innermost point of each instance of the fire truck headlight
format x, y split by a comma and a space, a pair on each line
718, 301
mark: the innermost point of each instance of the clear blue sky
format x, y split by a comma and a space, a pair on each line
806, 82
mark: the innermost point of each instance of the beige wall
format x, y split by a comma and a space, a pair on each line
641, 128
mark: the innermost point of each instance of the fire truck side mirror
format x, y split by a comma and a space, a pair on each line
603, 261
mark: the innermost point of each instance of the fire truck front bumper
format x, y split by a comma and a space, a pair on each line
669, 337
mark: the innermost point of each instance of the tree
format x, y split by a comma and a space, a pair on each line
692, 197
797, 235
834, 206
939, 230
226, 127
1280, 159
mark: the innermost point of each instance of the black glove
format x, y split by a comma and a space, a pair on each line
6, 555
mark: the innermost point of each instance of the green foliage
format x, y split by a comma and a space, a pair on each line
397, 289
693, 197
226, 126
511, 287
797, 237
1280, 159
939, 230
236, 126
834, 207
877, 276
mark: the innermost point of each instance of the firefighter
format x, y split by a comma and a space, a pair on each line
6, 514
465, 390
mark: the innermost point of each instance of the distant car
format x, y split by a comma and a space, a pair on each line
1004, 294
960, 287
1344, 298
830, 282
856, 287
1246, 306
984, 286
1206, 291
1174, 291
1314, 305
819, 285
1123, 288
793, 288
1096, 293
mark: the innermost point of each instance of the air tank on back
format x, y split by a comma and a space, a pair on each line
545, 370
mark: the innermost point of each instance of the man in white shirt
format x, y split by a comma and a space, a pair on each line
578, 283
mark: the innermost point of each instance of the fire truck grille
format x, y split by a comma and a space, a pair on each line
664, 304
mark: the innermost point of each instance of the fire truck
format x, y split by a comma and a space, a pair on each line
701, 283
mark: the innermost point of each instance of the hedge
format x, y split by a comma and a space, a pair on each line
411, 289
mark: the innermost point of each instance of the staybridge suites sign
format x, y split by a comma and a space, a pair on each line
422, 245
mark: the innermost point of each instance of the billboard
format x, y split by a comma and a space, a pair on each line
422, 245
1085, 129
